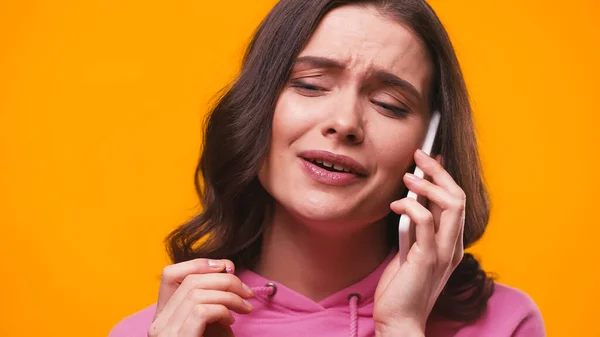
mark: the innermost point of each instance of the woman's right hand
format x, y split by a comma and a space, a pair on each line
196, 293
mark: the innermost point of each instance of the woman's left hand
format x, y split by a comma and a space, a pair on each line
406, 294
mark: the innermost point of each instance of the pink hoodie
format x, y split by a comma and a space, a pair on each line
510, 313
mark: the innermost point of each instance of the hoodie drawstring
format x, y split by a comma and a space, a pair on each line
353, 300
270, 289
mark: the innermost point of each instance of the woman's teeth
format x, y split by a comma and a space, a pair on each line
331, 166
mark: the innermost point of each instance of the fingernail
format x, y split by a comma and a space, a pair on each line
247, 290
229, 270
422, 153
412, 177
216, 264
247, 304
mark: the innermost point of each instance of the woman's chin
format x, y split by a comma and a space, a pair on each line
330, 217
326, 210
324, 217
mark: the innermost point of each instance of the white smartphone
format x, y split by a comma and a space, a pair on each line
406, 229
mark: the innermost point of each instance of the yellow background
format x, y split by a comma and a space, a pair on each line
101, 104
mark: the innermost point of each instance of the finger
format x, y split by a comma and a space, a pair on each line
437, 172
423, 220
231, 301
424, 201
195, 323
459, 249
434, 208
173, 275
454, 258
449, 222
449, 235
219, 281
432, 192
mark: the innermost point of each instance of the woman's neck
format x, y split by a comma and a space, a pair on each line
315, 264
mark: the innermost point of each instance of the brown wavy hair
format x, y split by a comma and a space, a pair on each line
238, 133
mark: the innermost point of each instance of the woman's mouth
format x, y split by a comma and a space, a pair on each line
331, 166
331, 169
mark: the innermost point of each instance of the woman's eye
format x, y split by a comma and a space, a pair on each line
306, 86
396, 110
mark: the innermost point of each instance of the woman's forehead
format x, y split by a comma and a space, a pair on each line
365, 41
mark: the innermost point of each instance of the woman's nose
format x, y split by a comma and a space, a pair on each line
345, 122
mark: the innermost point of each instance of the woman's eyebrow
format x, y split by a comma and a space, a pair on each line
392, 80
319, 62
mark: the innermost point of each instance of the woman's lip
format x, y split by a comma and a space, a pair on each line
333, 158
328, 177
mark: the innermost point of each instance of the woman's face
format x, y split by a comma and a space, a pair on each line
357, 98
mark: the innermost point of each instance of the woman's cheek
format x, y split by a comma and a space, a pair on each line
394, 153
295, 108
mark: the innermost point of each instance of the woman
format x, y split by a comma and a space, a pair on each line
303, 172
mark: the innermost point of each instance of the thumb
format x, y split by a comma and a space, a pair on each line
388, 275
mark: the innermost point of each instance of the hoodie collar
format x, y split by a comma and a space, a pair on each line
288, 299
